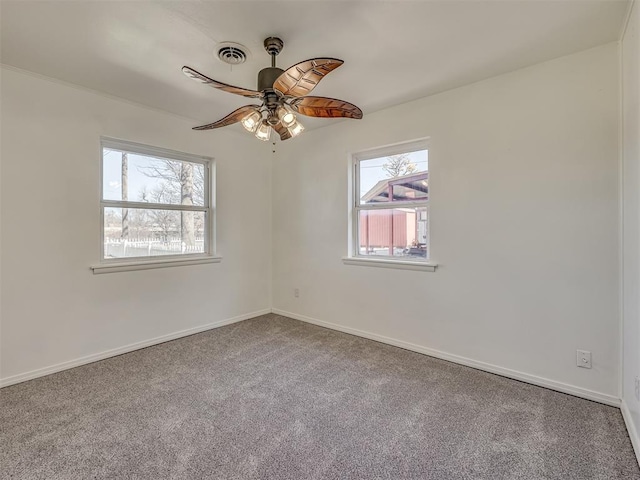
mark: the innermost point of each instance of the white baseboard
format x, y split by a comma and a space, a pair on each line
631, 428
487, 367
505, 372
41, 372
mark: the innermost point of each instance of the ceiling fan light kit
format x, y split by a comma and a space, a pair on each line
251, 121
286, 115
296, 129
284, 93
263, 132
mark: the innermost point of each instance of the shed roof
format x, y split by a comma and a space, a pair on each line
414, 186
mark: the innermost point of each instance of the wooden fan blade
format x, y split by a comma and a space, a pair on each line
282, 131
232, 118
191, 73
300, 79
325, 107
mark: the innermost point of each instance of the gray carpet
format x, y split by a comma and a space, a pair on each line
274, 398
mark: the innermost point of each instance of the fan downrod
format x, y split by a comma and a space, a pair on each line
266, 76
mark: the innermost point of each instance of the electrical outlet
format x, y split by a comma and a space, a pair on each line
638, 389
296, 292
583, 359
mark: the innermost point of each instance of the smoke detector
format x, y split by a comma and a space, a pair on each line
232, 53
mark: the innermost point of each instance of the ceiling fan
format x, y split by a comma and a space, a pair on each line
284, 93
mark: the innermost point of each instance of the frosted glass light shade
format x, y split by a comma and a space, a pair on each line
296, 129
263, 132
286, 116
251, 121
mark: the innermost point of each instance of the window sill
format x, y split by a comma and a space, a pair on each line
384, 263
149, 264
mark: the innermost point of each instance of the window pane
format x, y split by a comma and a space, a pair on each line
137, 232
140, 178
397, 232
396, 178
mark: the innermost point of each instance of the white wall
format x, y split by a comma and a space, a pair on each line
631, 221
54, 309
524, 218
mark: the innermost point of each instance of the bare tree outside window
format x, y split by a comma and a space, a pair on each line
186, 188
183, 181
153, 204
125, 195
399, 165
165, 221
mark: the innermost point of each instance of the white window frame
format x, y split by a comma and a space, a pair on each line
108, 265
354, 257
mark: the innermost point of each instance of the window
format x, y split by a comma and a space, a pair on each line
155, 203
391, 204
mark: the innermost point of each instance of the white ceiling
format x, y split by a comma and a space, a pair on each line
394, 51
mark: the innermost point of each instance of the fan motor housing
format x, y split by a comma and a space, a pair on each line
267, 76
